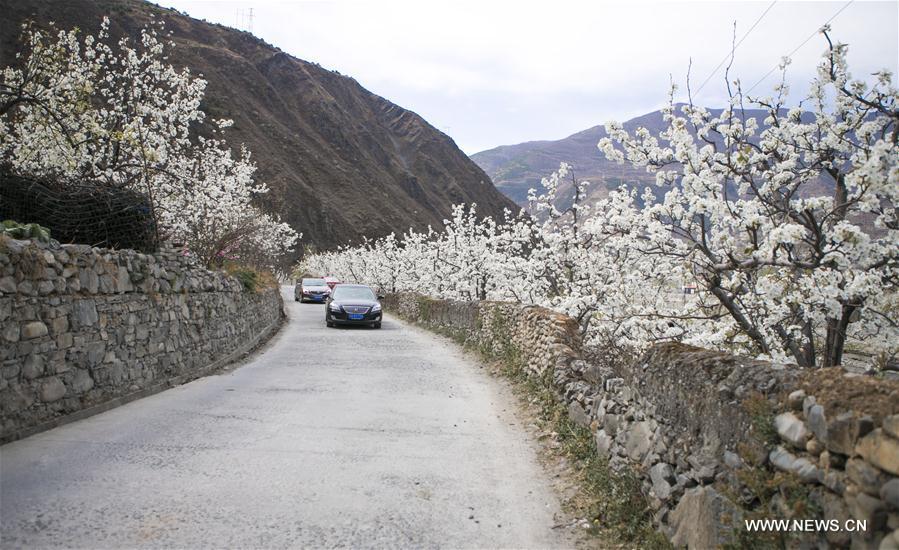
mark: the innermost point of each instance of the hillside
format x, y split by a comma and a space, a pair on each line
517, 168
341, 162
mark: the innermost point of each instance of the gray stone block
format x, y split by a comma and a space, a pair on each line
791, 429
8, 285
52, 389
704, 519
33, 329
84, 313
868, 478
639, 441
889, 493
81, 382
817, 422
890, 425
881, 450
33, 366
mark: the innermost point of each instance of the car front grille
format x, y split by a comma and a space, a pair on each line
356, 309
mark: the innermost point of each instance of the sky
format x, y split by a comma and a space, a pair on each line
492, 72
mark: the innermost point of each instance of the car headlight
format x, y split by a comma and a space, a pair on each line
376, 308
334, 307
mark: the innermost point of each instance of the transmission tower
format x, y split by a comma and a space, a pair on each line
244, 19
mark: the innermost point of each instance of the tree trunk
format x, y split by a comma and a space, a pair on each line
836, 336
808, 345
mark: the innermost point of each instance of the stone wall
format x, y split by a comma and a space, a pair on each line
717, 439
83, 329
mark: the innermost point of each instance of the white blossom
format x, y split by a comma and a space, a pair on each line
82, 110
783, 271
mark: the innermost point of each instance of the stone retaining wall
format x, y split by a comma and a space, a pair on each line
83, 328
717, 439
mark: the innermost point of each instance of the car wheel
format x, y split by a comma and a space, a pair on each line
377, 325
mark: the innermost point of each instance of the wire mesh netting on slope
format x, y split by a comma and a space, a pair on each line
81, 213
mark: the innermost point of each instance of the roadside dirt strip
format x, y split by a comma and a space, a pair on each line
326, 437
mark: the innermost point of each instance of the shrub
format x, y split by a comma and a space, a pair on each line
252, 279
25, 231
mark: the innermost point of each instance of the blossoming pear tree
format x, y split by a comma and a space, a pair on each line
793, 228
81, 110
788, 226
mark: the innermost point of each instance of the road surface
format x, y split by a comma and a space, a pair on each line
327, 437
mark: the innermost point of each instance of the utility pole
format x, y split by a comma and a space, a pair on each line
250, 21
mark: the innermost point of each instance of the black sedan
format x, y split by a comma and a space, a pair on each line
353, 305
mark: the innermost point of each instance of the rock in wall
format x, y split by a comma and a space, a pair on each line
717, 439
81, 327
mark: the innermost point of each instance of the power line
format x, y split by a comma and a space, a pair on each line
804, 42
737, 45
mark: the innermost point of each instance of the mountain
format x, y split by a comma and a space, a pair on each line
517, 168
341, 162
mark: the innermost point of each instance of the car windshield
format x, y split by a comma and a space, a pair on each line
313, 282
353, 293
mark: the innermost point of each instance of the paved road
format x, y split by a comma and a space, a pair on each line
327, 437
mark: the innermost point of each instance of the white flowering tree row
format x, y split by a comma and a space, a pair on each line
79, 109
784, 271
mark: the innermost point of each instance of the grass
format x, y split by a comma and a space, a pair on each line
252, 279
777, 494
761, 415
765, 490
613, 503
25, 231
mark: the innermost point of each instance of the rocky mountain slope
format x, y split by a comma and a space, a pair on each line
517, 168
341, 162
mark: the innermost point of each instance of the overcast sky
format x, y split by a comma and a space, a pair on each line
492, 73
